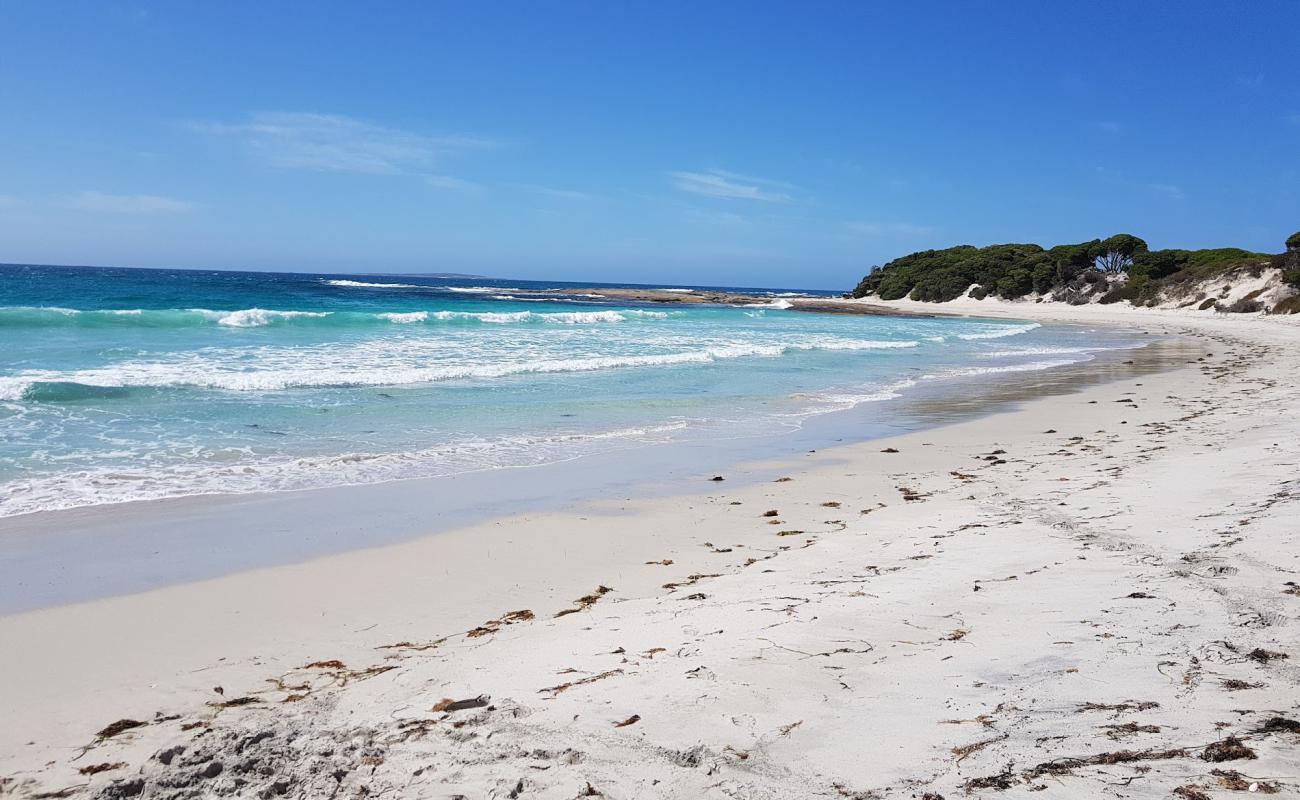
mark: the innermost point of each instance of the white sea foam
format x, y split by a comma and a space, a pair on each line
1048, 351
257, 317
998, 333
366, 285
398, 364
479, 289
556, 317
111, 485
778, 304
406, 318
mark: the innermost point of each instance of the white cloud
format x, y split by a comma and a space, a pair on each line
453, 184
1118, 178
721, 218
332, 142
731, 186
886, 229
550, 191
1167, 189
128, 203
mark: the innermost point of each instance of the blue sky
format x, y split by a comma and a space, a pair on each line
746, 143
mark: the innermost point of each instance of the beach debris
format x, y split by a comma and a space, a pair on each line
788, 533
1279, 725
632, 720
696, 596
785, 479
1003, 780
1229, 749
831, 504
1235, 781
716, 478
447, 704
586, 601
785, 730
1191, 791
1139, 596
1237, 685
667, 562
910, 494
890, 450
1064, 766
564, 687
1120, 708
331, 664
691, 580
1127, 729
771, 512
119, 727
493, 625
1264, 656
95, 769
974, 747
413, 646
589, 791
955, 636
246, 700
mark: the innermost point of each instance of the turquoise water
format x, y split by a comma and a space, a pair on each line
119, 385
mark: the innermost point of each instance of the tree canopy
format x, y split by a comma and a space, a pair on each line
1016, 270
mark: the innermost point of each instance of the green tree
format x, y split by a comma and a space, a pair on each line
1116, 253
1293, 242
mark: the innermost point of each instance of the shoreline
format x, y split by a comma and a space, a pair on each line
878, 616
126, 548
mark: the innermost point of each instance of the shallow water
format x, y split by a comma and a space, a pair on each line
120, 385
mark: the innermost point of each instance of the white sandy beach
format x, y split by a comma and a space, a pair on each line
1094, 595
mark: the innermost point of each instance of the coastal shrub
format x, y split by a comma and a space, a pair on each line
979, 292
1118, 294
1291, 305
1072, 272
1289, 262
1210, 303
1245, 305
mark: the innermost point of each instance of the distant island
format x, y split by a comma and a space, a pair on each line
1111, 270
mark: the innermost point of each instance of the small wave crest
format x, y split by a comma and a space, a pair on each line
112, 485
214, 375
999, 332
38, 317
366, 285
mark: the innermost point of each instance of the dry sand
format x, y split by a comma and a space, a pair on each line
1092, 596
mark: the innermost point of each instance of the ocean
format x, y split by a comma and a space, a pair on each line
119, 385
